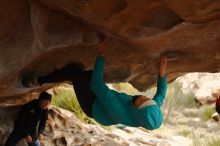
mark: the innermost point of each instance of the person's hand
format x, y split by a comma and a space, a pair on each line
163, 65
103, 47
28, 139
40, 136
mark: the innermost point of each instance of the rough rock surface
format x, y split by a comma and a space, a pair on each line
38, 35
64, 129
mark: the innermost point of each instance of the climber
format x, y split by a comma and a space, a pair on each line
31, 121
217, 105
108, 106
113, 107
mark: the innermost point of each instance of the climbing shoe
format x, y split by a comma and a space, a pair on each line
30, 81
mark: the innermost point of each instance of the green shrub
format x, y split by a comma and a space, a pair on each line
207, 112
66, 99
184, 132
187, 100
206, 141
212, 142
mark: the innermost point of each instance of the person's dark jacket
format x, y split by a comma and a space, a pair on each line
29, 117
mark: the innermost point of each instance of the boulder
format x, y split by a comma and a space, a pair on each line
38, 36
65, 129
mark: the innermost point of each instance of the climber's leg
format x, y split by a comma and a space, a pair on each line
85, 96
60, 75
81, 83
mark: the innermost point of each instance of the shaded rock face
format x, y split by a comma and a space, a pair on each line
40, 35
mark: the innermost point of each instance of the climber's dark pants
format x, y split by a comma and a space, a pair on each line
81, 83
16, 136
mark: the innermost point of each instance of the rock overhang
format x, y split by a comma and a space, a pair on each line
38, 36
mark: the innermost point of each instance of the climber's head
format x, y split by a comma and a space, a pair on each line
44, 100
146, 112
140, 101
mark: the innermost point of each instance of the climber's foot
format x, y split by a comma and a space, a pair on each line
30, 81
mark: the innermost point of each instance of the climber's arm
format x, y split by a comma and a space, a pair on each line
98, 85
161, 83
161, 90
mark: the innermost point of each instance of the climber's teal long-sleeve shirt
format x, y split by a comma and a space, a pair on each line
112, 107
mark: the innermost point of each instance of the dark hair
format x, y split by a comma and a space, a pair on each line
45, 96
135, 97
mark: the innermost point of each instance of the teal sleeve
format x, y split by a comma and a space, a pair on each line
161, 90
113, 106
98, 85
